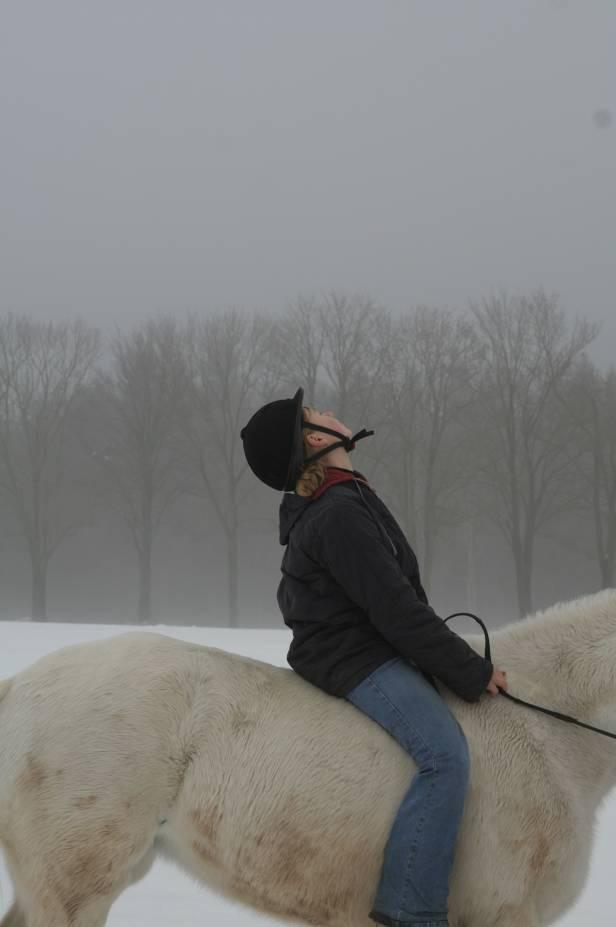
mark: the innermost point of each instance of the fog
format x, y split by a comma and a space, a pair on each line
159, 156
165, 159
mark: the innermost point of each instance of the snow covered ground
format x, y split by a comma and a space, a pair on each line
166, 895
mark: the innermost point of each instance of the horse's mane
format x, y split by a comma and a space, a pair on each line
588, 617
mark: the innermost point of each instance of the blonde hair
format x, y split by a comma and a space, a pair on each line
313, 474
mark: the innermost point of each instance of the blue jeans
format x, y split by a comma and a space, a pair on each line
418, 858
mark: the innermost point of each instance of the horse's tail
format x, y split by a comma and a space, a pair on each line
5, 685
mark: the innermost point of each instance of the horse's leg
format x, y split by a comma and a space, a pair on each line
79, 886
95, 914
92, 911
521, 917
142, 867
14, 917
503, 916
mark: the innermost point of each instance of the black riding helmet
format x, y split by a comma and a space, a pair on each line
273, 442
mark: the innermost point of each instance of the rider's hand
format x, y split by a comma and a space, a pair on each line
499, 678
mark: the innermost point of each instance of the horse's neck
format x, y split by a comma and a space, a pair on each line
589, 757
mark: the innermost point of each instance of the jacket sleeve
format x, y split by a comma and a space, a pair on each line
350, 546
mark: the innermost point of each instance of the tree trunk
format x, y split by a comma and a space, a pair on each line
233, 561
523, 574
427, 535
605, 538
606, 565
427, 565
471, 578
145, 581
39, 588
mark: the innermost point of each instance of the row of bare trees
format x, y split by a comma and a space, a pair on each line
493, 413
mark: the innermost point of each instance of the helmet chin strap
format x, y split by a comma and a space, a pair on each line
347, 443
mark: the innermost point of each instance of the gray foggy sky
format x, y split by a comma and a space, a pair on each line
164, 156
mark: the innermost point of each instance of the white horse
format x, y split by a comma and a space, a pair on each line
281, 796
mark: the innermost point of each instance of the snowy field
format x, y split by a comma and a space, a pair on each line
168, 896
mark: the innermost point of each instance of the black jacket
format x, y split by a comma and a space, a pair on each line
353, 603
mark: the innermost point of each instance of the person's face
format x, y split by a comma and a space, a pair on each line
327, 418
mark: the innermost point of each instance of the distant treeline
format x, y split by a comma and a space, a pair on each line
492, 415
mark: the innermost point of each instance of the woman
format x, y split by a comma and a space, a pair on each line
363, 630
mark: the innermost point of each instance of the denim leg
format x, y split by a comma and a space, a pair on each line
419, 854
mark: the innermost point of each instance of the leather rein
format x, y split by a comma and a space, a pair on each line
513, 698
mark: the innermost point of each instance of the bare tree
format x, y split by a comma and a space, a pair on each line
524, 457
141, 397
430, 382
300, 337
232, 368
589, 398
353, 358
43, 365
336, 348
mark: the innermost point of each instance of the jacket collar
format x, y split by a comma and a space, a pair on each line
292, 506
338, 475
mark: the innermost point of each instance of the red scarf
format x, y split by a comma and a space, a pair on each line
338, 475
